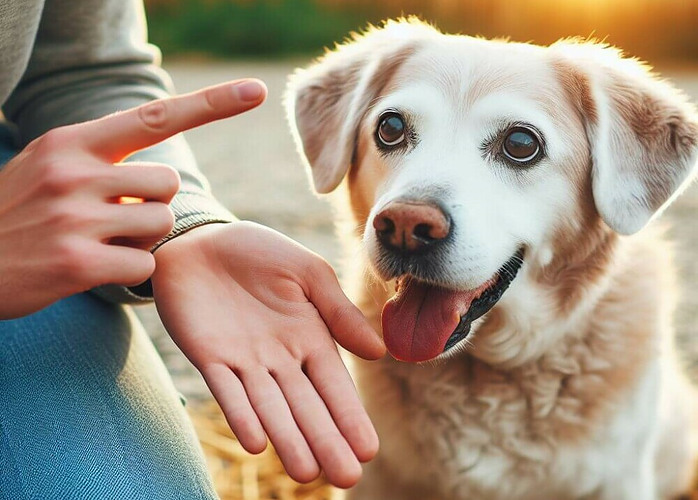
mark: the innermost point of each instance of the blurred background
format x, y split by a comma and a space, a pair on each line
660, 30
254, 169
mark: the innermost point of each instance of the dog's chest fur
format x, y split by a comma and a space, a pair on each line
469, 431
559, 426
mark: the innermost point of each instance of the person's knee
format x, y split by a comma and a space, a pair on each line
89, 411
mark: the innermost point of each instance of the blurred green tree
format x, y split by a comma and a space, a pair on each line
651, 29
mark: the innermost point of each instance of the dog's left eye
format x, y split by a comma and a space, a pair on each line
521, 145
391, 129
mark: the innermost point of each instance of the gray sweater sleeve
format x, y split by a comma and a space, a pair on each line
90, 59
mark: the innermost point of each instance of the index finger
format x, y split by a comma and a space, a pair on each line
116, 136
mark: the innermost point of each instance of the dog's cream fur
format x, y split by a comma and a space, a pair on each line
569, 387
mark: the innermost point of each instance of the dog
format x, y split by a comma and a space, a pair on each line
495, 200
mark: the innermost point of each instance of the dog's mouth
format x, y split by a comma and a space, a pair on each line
423, 320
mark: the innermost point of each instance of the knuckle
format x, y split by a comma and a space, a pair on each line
210, 100
327, 440
237, 420
73, 262
351, 421
53, 177
64, 217
338, 314
170, 180
322, 270
265, 405
155, 115
322, 266
52, 140
145, 267
59, 177
246, 430
138, 269
164, 219
76, 218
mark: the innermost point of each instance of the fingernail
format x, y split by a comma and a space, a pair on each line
249, 90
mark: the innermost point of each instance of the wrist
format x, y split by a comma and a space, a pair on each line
179, 244
193, 208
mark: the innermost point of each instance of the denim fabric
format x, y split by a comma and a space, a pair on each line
7, 144
88, 410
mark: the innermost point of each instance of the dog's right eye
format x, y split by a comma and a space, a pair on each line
522, 145
391, 129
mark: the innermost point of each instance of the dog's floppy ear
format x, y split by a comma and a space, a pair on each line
325, 102
642, 132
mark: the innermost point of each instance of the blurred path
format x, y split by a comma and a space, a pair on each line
254, 170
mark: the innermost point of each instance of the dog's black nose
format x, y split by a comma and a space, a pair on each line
411, 226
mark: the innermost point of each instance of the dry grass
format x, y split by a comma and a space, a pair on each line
241, 476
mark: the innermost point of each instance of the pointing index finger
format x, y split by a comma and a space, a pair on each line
116, 136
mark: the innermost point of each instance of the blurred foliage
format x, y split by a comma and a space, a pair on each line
250, 28
650, 29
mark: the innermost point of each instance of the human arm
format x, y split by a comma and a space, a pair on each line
256, 313
62, 228
94, 62
91, 59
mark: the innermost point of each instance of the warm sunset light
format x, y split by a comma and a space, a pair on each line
349, 249
581, 141
650, 29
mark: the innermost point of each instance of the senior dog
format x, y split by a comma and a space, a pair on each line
497, 196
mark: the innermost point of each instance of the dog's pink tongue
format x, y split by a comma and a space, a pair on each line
420, 318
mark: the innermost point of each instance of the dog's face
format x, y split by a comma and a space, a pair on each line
470, 162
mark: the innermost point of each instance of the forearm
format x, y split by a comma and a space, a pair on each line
91, 59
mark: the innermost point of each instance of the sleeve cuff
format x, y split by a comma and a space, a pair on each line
191, 209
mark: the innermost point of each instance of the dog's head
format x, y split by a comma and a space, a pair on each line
469, 161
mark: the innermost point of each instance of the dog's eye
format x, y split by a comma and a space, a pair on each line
521, 145
391, 129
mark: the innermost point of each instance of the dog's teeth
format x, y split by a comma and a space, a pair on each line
398, 283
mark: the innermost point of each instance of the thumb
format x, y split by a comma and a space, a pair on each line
344, 320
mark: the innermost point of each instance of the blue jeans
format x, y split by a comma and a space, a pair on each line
88, 410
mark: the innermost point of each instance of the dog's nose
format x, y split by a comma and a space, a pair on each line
411, 226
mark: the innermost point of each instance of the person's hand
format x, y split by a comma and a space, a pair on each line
256, 313
62, 228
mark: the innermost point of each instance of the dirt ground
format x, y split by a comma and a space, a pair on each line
253, 168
